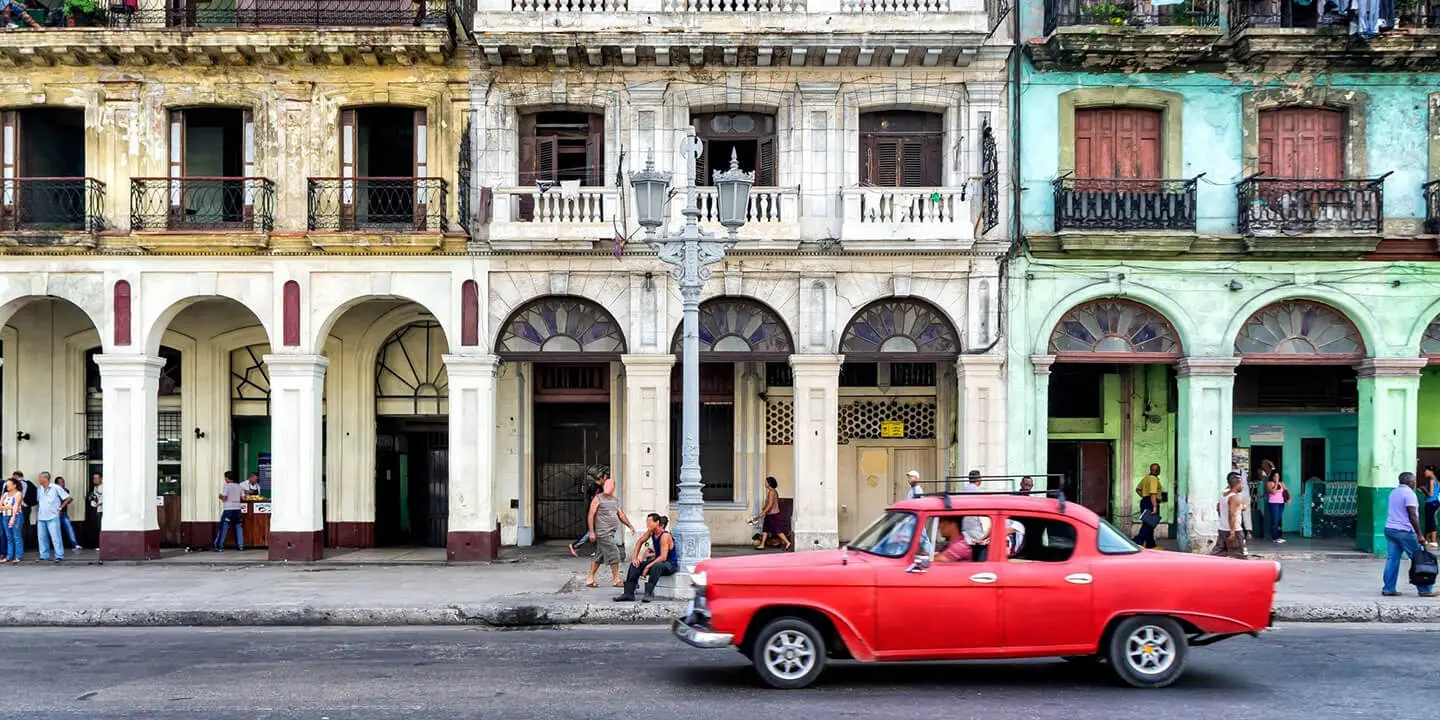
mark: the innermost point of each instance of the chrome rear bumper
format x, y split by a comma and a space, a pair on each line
699, 637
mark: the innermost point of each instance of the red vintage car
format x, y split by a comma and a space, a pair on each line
954, 576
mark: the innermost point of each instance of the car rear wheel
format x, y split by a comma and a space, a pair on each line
1148, 652
789, 653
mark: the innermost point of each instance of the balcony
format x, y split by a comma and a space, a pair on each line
772, 216
1284, 215
1111, 34
930, 33
240, 206
377, 212
877, 215
1094, 215
247, 32
524, 218
1285, 35
40, 210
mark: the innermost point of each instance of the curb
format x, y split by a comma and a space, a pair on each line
533, 612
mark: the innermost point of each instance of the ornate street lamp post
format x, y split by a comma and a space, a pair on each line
691, 250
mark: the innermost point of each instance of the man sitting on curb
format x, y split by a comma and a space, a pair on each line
664, 562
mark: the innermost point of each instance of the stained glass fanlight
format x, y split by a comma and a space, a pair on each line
1299, 327
738, 325
899, 326
561, 324
1116, 327
1430, 344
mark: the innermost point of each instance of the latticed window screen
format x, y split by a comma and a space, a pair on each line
168, 436
862, 419
779, 422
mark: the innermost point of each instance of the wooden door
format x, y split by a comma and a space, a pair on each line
595, 152
349, 151
765, 164
1302, 143
437, 497
872, 491
11, 168
1095, 476
1117, 143
420, 200
247, 169
176, 165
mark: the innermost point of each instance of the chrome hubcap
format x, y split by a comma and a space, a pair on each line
1150, 650
789, 655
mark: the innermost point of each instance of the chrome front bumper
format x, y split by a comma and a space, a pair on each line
699, 637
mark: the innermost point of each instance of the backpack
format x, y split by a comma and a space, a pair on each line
32, 494
1423, 568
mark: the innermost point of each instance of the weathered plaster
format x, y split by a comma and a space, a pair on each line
1168, 103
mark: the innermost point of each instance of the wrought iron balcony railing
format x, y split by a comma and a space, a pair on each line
52, 204
238, 204
1245, 14
1432, 207
1124, 204
1130, 13
385, 204
1278, 206
282, 13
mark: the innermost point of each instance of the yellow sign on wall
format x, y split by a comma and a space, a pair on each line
892, 428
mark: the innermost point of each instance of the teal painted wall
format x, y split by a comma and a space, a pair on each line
1340, 432
1211, 134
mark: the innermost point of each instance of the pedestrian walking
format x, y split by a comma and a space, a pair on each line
1402, 534
1149, 492
1232, 508
12, 520
1431, 488
49, 499
598, 478
773, 524
231, 501
653, 562
605, 520
67, 528
1276, 496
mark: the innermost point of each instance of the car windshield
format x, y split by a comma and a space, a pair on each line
889, 536
1113, 542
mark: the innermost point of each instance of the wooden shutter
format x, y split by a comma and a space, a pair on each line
887, 162
765, 170
349, 150
11, 161
595, 152
527, 172
1302, 143
932, 160
177, 163
1117, 143
247, 134
419, 198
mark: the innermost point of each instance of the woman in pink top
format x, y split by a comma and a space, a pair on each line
12, 521
1275, 499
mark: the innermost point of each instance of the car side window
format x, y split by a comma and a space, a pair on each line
1039, 539
958, 538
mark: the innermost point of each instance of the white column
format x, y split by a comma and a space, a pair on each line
817, 459
297, 388
1205, 430
129, 386
647, 433
1039, 423
474, 531
981, 413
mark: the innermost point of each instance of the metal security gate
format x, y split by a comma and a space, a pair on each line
572, 441
437, 507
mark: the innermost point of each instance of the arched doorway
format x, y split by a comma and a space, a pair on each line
739, 339
897, 409
1112, 404
1296, 406
568, 349
412, 480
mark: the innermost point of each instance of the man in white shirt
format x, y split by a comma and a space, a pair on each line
915, 490
251, 486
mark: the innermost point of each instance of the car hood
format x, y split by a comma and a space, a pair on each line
770, 561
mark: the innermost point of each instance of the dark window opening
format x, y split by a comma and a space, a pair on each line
384, 149
560, 146
1077, 390
747, 137
901, 148
779, 374
44, 169
208, 161
717, 451
894, 374
1296, 387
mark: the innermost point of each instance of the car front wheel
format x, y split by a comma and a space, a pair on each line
1148, 652
789, 653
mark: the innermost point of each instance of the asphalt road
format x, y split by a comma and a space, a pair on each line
423, 673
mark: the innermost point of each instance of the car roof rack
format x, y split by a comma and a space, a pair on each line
949, 486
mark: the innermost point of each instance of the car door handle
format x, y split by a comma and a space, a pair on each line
985, 578
1079, 579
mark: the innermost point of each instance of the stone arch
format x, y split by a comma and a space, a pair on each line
899, 326
1425, 334
438, 309
1179, 320
560, 326
1114, 330
1299, 329
88, 292
159, 311
740, 327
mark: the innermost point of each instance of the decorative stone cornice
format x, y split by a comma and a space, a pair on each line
1390, 367
1041, 363
816, 364
1218, 366
470, 365
648, 363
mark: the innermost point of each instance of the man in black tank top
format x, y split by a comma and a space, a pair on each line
662, 559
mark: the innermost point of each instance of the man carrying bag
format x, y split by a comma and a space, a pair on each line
1402, 535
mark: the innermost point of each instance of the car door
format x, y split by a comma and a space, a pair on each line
1046, 594
943, 610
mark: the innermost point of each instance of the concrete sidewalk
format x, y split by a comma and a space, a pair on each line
529, 587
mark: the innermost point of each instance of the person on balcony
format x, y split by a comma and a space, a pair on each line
14, 11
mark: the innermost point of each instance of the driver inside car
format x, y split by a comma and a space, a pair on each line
957, 549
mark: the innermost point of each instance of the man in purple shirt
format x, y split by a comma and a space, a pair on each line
1402, 533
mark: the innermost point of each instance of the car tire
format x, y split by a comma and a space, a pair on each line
789, 653
1148, 651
